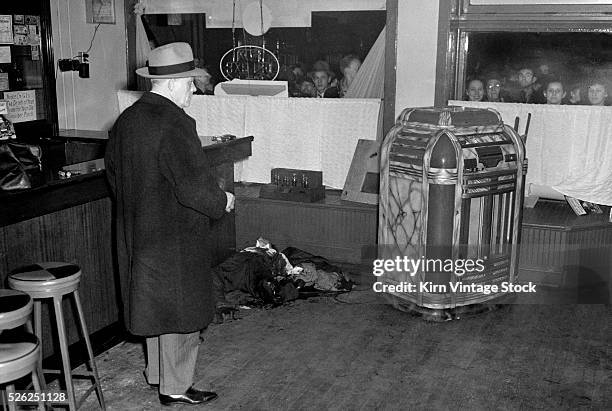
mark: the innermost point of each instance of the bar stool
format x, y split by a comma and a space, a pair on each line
19, 350
54, 280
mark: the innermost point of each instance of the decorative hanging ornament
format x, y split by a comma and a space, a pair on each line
256, 19
249, 63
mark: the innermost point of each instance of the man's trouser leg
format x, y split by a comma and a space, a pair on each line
172, 361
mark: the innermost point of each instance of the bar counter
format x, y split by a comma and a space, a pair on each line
65, 220
54, 195
71, 220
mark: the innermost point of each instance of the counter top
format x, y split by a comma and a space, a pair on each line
50, 193
83, 134
53, 196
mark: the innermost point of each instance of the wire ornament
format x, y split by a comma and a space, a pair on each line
249, 63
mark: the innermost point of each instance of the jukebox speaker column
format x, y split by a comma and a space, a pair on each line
441, 204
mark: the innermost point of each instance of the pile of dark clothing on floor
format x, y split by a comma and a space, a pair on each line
261, 276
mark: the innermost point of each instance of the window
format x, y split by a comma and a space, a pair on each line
574, 59
478, 37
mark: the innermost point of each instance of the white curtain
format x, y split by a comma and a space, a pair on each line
569, 147
370, 79
287, 138
142, 45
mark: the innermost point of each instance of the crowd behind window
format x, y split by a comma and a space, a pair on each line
320, 81
537, 84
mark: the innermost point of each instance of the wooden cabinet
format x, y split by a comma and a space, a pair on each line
79, 234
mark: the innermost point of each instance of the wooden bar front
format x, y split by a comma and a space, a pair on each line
71, 220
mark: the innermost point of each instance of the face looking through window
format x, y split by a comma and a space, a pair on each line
554, 93
526, 77
475, 90
493, 90
321, 80
597, 94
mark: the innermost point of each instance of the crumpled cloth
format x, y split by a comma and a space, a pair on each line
319, 279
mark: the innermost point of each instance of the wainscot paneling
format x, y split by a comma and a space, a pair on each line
80, 235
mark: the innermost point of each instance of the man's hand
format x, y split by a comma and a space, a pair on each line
229, 206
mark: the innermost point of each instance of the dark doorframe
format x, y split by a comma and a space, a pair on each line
390, 67
130, 42
445, 55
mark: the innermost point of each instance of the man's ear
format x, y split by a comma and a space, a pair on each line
171, 84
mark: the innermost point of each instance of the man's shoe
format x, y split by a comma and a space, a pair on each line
191, 396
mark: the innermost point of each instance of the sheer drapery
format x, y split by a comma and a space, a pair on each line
569, 147
370, 79
324, 140
142, 45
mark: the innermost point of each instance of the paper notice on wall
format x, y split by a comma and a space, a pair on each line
21, 39
5, 54
4, 81
31, 20
6, 29
21, 105
35, 53
3, 107
20, 29
33, 37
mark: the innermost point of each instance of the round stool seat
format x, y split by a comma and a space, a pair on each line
19, 353
48, 279
15, 308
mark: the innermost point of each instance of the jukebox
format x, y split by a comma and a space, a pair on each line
451, 195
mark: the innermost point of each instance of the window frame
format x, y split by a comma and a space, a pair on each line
459, 18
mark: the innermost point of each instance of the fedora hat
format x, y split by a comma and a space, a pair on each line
172, 60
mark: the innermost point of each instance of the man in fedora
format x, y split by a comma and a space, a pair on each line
165, 197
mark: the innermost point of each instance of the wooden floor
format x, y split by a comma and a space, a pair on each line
356, 352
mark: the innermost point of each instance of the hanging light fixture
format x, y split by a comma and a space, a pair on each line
256, 19
250, 62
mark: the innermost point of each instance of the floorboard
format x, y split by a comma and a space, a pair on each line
355, 352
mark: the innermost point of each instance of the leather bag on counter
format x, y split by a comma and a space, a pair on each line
16, 161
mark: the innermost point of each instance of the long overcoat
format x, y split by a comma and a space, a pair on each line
165, 195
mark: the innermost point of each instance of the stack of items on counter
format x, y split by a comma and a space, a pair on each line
261, 275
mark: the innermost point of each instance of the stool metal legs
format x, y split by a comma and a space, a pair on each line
37, 386
63, 340
92, 363
10, 389
38, 332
